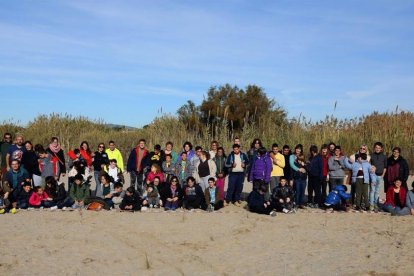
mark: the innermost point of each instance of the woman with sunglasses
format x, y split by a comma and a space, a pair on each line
100, 159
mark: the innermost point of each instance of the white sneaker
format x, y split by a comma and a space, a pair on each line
285, 210
30, 208
53, 208
273, 214
64, 208
144, 208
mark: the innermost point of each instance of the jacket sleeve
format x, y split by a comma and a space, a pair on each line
229, 161
405, 171
347, 164
269, 170
120, 160
213, 168
61, 156
409, 201
292, 163
33, 200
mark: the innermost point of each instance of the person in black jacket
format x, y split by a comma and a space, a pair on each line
22, 196
132, 200
100, 159
257, 203
31, 164
193, 195
397, 167
171, 195
55, 191
283, 197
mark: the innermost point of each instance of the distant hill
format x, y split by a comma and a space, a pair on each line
118, 127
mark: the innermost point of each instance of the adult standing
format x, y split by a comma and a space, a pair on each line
287, 171
315, 178
379, 161
15, 151
205, 169
397, 167
325, 155
336, 169
213, 149
137, 162
100, 159
236, 162
86, 153
4, 149
114, 153
30, 161
278, 164
261, 170
58, 155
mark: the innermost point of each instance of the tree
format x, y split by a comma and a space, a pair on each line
189, 114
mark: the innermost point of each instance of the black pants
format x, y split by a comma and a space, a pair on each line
218, 205
314, 186
194, 203
285, 205
262, 210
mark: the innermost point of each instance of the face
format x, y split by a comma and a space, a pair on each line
286, 151
7, 138
77, 182
156, 181
84, 146
236, 150
214, 146
55, 142
101, 147
26, 188
220, 153
128, 193
378, 149
168, 147
153, 169
237, 141
19, 140
184, 157
15, 165
298, 151
118, 189
28, 146
112, 164
396, 153
257, 145
168, 158
337, 152
283, 182
40, 191
398, 183
150, 189
211, 184
112, 146
331, 147
190, 183
174, 182
187, 148
324, 151
103, 180
198, 152
275, 150
363, 149
142, 144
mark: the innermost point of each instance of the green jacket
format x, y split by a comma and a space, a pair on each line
79, 193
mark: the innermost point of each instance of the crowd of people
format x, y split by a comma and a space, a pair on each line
195, 177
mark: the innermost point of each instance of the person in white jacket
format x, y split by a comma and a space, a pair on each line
204, 169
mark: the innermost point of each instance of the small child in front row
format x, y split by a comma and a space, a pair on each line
151, 197
283, 197
39, 198
118, 195
131, 201
23, 196
212, 196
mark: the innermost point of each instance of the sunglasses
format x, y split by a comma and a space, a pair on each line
101, 147
174, 181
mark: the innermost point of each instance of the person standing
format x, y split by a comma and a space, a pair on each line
137, 162
278, 164
397, 167
58, 155
100, 159
15, 151
205, 169
379, 161
4, 149
236, 162
315, 178
336, 169
114, 153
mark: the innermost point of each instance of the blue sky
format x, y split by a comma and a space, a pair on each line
122, 61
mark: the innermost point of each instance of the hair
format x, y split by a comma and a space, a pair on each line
41, 151
214, 142
107, 177
282, 178
51, 180
15, 160
53, 139
78, 177
331, 143
363, 156
157, 147
189, 144
222, 149
255, 140
397, 148
301, 157
88, 150
313, 149
131, 190
183, 153
174, 178
36, 189
111, 142
38, 147
236, 146
338, 147
156, 166
262, 188
211, 179
141, 140
169, 143
190, 178
156, 177
76, 151
197, 148
275, 145
398, 179
167, 155
7, 134
103, 144
378, 144
286, 147
118, 185
262, 151
113, 160
28, 142
27, 183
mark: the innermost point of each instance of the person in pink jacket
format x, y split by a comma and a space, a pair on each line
40, 199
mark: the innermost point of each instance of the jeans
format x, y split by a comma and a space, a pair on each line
374, 190
335, 181
397, 210
300, 186
171, 205
138, 178
98, 188
235, 187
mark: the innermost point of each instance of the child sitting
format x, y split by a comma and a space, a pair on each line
283, 197
107, 189
151, 197
23, 196
131, 201
39, 198
79, 192
257, 203
337, 198
118, 195
212, 196
55, 191
193, 195
155, 171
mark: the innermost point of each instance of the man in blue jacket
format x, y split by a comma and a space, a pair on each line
236, 162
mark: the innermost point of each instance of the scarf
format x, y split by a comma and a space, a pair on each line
54, 149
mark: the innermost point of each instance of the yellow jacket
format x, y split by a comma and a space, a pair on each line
278, 162
116, 154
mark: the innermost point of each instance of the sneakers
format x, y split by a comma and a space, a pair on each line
144, 208
2, 211
285, 210
53, 208
273, 214
151, 206
237, 203
225, 203
13, 211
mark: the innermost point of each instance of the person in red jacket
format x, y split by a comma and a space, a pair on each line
395, 199
40, 199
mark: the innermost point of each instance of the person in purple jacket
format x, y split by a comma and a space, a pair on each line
261, 170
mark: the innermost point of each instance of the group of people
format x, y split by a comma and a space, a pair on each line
194, 178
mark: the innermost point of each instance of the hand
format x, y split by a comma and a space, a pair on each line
281, 200
175, 199
234, 164
373, 169
412, 212
302, 170
243, 165
145, 202
287, 200
169, 199
8, 168
265, 205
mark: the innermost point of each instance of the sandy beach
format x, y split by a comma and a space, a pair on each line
231, 241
